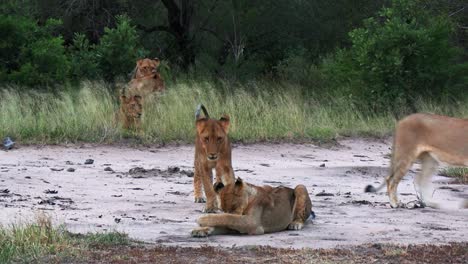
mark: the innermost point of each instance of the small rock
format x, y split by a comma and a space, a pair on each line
8, 143
323, 193
117, 220
89, 161
188, 173
322, 165
173, 169
27, 177
50, 191
55, 169
71, 169
108, 169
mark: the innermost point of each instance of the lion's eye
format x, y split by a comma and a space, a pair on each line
220, 139
207, 139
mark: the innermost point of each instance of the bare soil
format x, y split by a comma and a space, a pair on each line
147, 192
369, 253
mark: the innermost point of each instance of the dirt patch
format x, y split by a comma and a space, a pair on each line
372, 253
148, 193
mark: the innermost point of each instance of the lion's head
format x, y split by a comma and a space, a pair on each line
131, 108
234, 197
146, 67
212, 134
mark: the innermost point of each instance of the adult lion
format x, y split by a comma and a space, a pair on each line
145, 67
146, 78
429, 138
256, 210
130, 111
146, 85
212, 151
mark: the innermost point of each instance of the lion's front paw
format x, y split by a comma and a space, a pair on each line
295, 226
200, 232
200, 200
210, 210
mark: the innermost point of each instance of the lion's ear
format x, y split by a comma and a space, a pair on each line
200, 124
239, 181
139, 62
218, 186
225, 122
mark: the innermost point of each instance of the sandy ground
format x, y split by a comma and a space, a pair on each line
157, 205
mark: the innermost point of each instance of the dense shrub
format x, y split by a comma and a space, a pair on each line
31, 54
118, 49
84, 63
399, 55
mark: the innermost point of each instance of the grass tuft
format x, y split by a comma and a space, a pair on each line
40, 241
459, 173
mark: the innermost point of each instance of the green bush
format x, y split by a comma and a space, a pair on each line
84, 63
30, 54
401, 54
118, 49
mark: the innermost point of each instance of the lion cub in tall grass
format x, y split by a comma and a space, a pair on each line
212, 151
255, 210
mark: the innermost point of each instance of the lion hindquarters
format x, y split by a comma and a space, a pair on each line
302, 208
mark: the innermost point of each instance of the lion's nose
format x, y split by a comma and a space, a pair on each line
212, 156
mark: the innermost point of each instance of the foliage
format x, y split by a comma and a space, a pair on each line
30, 54
83, 58
118, 49
399, 55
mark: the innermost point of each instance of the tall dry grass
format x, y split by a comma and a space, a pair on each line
259, 111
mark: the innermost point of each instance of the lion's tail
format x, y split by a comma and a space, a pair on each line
372, 189
201, 107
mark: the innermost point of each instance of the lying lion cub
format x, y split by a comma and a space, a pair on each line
212, 151
256, 210
429, 138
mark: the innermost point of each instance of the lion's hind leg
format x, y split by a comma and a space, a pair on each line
423, 184
302, 209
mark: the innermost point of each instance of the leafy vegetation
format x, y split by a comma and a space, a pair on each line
297, 69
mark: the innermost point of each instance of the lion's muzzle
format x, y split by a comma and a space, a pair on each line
212, 157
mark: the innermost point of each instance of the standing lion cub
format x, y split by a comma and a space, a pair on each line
431, 139
255, 210
212, 151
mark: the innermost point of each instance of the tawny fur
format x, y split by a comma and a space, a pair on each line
130, 111
212, 151
146, 79
431, 139
256, 210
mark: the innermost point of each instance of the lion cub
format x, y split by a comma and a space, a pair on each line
130, 111
256, 210
212, 151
